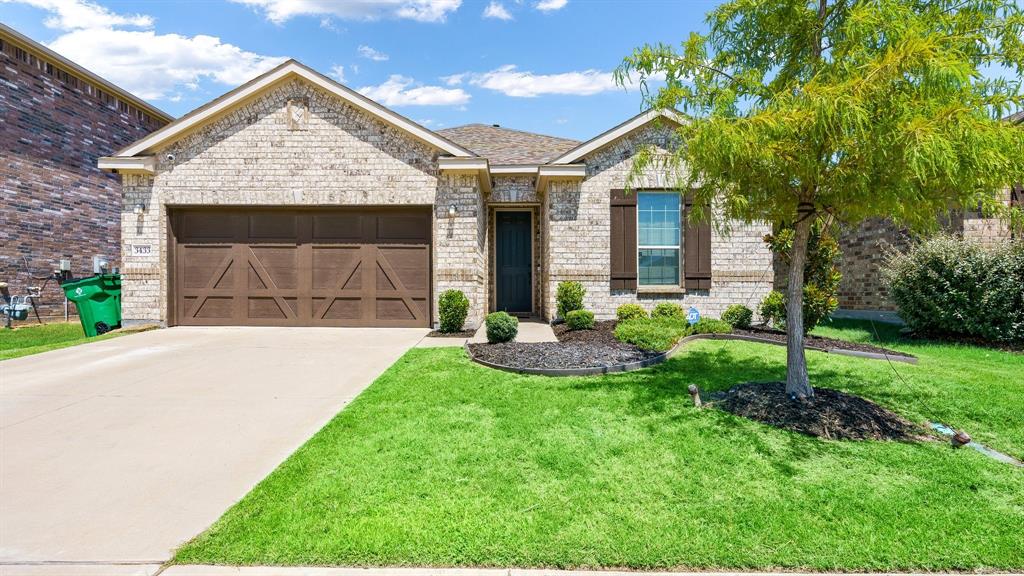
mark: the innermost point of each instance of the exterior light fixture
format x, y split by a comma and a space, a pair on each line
139, 209
451, 212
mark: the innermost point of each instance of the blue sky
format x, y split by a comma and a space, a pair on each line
538, 65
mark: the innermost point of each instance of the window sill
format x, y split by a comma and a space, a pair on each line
660, 290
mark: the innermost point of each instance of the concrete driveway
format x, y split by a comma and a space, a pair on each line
115, 452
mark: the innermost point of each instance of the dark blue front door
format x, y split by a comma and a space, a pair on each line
513, 255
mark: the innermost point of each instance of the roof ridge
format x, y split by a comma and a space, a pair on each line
508, 129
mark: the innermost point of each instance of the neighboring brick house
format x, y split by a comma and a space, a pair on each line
294, 200
56, 120
865, 247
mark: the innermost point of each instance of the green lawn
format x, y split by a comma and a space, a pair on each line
443, 462
36, 338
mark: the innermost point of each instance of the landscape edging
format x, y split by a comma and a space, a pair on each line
655, 360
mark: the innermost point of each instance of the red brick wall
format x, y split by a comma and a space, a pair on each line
55, 202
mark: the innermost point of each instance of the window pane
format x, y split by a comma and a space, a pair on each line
659, 267
658, 219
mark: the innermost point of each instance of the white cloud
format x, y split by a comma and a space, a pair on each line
400, 91
496, 10
454, 79
371, 54
147, 64
280, 11
338, 73
513, 82
153, 66
81, 14
550, 5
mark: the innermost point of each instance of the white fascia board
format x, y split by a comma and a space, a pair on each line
561, 172
615, 133
506, 169
131, 164
290, 68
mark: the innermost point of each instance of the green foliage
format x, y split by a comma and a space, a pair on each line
569, 297
629, 312
773, 309
655, 333
947, 286
887, 108
738, 316
821, 273
501, 327
452, 308
669, 310
580, 320
711, 326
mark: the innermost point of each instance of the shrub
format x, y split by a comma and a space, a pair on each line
501, 327
711, 326
658, 334
452, 308
630, 312
773, 309
580, 320
947, 286
669, 310
738, 316
569, 297
821, 273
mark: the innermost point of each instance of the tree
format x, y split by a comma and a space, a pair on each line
852, 109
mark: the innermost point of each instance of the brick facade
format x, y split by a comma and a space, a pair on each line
576, 246
342, 156
57, 203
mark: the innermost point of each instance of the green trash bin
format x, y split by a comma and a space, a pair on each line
98, 299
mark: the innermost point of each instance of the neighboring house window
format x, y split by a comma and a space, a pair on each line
658, 234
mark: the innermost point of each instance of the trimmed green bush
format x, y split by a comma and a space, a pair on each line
569, 297
738, 316
630, 312
711, 326
951, 287
501, 327
580, 320
669, 310
658, 334
452, 308
773, 309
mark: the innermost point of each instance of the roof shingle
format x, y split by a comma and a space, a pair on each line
505, 146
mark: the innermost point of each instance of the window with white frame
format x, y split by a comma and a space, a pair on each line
658, 235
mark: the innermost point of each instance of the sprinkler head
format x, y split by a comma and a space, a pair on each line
959, 439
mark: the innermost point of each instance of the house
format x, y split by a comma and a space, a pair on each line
862, 291
293, 200
56, 120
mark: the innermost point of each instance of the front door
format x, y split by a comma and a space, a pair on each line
514, 258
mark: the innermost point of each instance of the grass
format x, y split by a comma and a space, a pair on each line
36, 338
443, 462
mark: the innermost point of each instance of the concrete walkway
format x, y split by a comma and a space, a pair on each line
529, 331
113, 453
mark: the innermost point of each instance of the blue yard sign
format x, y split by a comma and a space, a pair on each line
692, 316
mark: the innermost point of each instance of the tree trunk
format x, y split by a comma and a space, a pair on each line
797, 382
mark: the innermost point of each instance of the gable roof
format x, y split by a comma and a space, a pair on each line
503, 146
1016, 118
289, 69
617, 132
41, 52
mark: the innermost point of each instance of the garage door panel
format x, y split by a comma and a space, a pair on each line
334, 267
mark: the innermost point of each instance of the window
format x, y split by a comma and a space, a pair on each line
658, 230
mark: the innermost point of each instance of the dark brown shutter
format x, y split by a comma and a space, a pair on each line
623, 240
697, 256
1017, 196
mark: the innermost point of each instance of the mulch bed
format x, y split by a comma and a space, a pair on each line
462, 334
829, 414
817, 341
595, 348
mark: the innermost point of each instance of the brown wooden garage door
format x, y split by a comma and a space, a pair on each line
324, 267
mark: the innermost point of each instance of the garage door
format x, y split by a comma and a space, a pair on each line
330, 267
